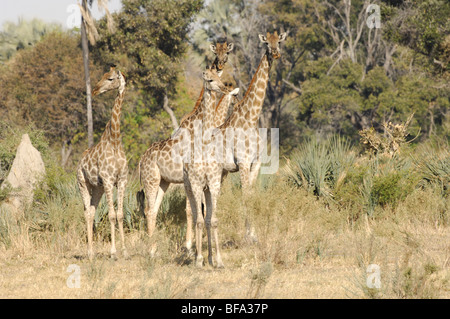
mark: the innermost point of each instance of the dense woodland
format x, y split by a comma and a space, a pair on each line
336, 75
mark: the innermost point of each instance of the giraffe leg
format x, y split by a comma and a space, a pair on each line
121, 185
255, 158
97, 193
112, 216
195, 199
244, 170
163, 185
151, 191
199, 223
188, 225
208, 215
254, 172
212, 221
91, 197
86, 196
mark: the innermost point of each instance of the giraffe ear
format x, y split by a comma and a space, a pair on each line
121, 73
213, 48
262, 38
230, 47
282, 37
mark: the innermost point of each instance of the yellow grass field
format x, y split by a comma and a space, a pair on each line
305, 249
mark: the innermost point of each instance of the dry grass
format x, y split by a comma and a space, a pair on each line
307, 248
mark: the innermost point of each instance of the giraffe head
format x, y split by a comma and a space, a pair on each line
211, 79
221, 50
273, 43
111, 80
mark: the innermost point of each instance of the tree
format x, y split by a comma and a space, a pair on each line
21, 35
344, 76
88, 30
44, 85
149, 46
422, 26
149, 42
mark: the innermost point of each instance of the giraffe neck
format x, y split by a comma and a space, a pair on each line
251, 105
208, 109
222, 109
114, 135
199, 105
185, 121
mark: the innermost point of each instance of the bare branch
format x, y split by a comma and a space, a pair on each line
292, 86
341, 48
170, 112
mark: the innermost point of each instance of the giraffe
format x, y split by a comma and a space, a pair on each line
245, 116
196, 172
221, 50
157, 168
104, 165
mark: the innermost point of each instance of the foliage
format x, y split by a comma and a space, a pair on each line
44, 85
149, 42
380, 181
320, 166
332, 170
342, 101
317, 88
148, 45
392, 141
309, 168
423, 26
24, 34
433, 163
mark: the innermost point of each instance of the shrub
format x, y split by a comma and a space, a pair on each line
433, 164
377, 181
320, 166
386, 189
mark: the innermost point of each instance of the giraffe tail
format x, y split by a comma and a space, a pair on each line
140, 195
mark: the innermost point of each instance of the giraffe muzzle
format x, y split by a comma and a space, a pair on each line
276, 55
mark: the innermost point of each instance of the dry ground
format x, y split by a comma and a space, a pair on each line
305, 250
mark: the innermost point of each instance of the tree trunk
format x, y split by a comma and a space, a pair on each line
85, 48
170, 112
65, 154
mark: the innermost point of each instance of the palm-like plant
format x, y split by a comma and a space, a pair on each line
89, 31
433, 163
309, 167
320, 166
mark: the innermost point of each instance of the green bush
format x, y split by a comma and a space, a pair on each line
387, 189
320, 166
433, 164
350, 192
379, 181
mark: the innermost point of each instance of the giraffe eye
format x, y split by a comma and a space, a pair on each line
110, 79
